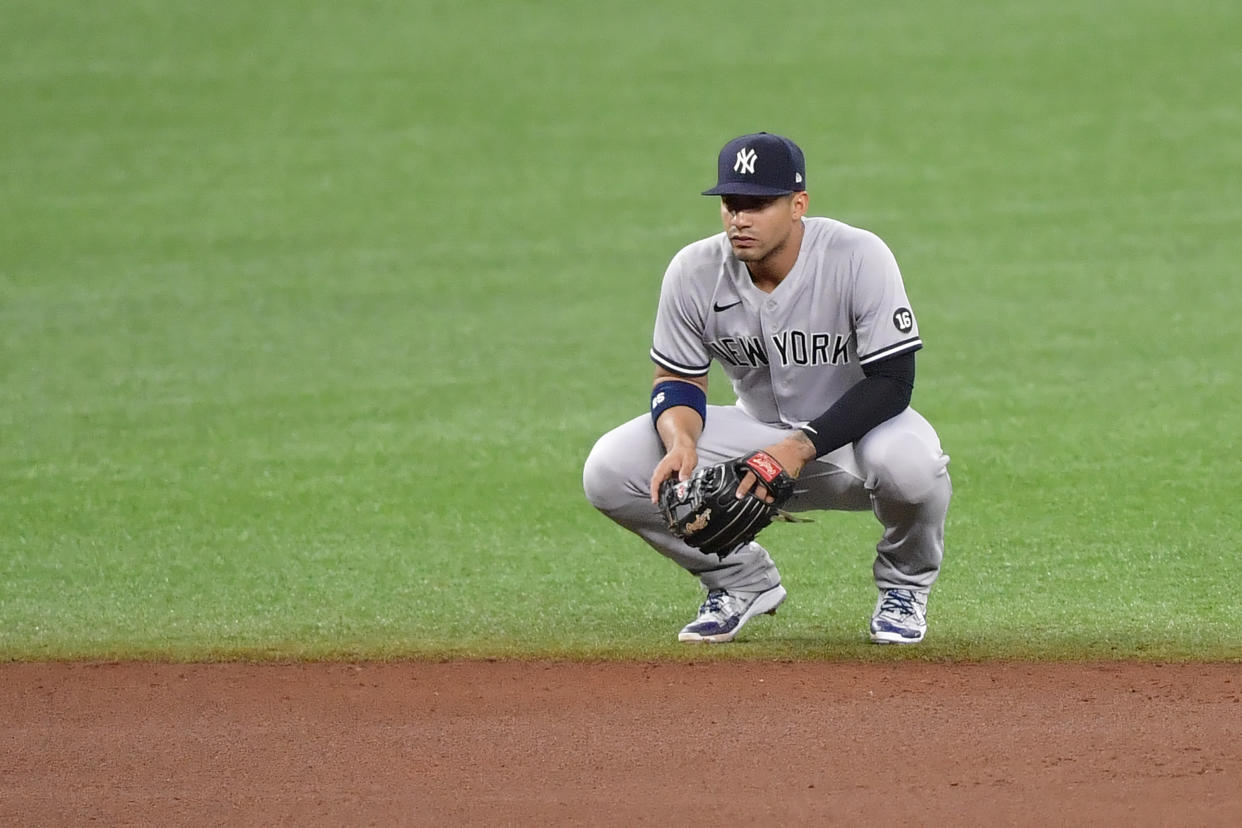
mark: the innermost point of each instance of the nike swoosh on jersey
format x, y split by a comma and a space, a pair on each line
719, 307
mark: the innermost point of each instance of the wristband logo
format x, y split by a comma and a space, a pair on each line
657, 400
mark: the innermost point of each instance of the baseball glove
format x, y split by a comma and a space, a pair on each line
706, 513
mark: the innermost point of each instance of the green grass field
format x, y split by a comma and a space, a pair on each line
310, 312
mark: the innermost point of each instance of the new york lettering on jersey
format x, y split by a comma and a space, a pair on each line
791, 348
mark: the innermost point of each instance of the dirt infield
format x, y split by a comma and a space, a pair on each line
469, 743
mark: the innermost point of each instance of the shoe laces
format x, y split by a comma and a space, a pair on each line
899, 602
716, 603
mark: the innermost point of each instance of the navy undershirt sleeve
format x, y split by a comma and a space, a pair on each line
882, 394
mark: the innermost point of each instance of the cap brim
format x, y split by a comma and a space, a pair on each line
742, 188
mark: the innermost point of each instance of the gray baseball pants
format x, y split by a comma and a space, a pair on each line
897, 470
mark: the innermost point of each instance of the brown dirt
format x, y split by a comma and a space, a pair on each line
469, 743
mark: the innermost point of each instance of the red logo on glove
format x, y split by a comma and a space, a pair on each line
764, 465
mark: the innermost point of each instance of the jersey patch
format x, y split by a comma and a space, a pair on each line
903, 320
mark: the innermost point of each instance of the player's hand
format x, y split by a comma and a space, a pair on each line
793, 453
680, 462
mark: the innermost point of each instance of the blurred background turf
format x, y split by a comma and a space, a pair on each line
310, 312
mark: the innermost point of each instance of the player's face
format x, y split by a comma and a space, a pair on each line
760, 226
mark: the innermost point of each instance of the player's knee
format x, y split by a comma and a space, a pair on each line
595, 477
905, 469
603, 478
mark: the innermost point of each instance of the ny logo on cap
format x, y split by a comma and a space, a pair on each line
745, 162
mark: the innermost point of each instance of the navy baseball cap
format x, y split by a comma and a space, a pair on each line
761, 164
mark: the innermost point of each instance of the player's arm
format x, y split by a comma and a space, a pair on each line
678, 406
883, 393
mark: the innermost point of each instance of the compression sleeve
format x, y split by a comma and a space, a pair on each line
883, 393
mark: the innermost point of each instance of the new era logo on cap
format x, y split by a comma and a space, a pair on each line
759, 164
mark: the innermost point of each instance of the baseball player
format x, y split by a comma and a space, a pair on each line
808, 317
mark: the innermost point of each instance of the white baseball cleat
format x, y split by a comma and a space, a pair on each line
723, 614
900, 616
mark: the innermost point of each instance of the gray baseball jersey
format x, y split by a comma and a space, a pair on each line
791, 353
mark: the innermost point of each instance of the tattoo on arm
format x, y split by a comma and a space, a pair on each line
802, 439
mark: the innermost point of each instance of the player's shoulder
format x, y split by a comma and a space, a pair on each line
704, 256
864, 251
708, 250
838, 235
